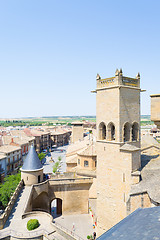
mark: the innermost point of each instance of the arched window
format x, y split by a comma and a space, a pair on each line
126, 132
85, 163
135, 131
102, 131
111, 132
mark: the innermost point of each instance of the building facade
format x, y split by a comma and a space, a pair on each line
13, 158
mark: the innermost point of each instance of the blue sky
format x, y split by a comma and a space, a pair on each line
51, 51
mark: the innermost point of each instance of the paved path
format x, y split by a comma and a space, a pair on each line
83, 225
18, 225
16, 214
48, 165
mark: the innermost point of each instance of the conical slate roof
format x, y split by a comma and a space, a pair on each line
32, 161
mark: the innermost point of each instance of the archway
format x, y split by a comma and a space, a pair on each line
135, 129
111, 132
126, 135
102, 131
41, 203
56, 207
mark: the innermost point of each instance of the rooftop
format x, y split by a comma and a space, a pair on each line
11, 139
90, 150
150, 177
74, 147
32, 161
147, 140
9, 148
141, 224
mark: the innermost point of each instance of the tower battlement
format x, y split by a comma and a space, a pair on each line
118, 80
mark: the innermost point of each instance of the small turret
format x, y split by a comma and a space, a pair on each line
138, 75
32, 169
98, 77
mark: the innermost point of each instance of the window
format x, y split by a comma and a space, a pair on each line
96, 163
126, 136
85, 163
123, 177
39, 178
111, 132
142, 201
102, 131
135, 131
128, 206
78, 161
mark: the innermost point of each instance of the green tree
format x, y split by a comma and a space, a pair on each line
55, 167
8, 188
41, 156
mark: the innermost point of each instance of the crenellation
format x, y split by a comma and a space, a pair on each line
118, 80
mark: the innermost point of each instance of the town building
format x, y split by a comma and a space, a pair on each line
77, 131
42, 138
60, 137
3, 167
13, 158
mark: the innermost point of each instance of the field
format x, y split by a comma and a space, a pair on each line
61, 120
50, 121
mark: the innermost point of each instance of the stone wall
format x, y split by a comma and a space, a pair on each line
140, 200
5, 215
73, 192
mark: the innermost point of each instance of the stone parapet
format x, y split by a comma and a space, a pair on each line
5, 215
118, 80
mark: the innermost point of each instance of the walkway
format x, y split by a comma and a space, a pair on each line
18, 226
82, 224
15, 217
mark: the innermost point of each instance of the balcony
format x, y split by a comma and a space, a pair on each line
1, 171
15, 161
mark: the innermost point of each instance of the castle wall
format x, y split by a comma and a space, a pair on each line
74, 198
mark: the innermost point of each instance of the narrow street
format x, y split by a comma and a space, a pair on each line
58, 152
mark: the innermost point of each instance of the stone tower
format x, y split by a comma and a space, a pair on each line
118, 145
32, 169
77, 131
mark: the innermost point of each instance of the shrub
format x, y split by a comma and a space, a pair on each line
32, 224
90, 237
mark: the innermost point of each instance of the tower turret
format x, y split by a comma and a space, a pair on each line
32, 169
118, 144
